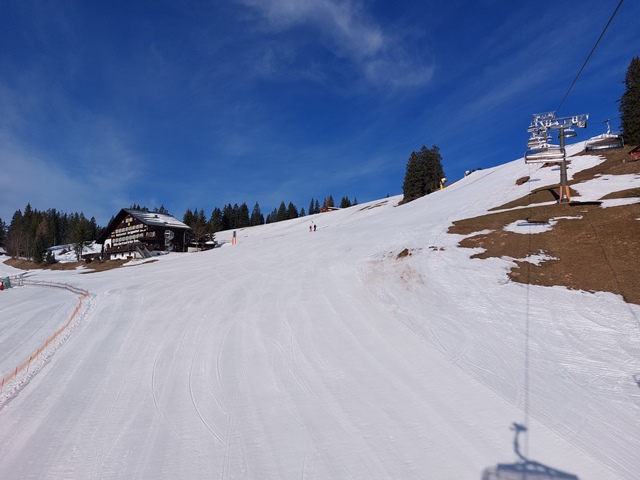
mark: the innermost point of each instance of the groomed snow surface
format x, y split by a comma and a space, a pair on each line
323, 355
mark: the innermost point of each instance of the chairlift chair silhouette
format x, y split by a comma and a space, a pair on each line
545, 154
538, 140
606, 141
538, 148
525, 469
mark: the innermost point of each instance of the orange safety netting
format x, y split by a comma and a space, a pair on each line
25, 365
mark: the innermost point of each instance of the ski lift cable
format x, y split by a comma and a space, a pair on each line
590, 54
526, 339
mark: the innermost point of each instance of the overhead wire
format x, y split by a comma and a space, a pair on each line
527, 333
527, 324
590, 54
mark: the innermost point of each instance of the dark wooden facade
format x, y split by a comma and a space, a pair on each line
139, 234
325, 209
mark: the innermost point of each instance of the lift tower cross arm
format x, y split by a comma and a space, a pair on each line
540, 151
548, 121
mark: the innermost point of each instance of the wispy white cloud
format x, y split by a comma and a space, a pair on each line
54, 154
344, 22
349, 33
33, 177
30, 175
397, 73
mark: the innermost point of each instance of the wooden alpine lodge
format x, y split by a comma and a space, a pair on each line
140, 234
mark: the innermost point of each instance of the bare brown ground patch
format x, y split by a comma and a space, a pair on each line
616, 163
630, 193
599, 251
548, 193
95, 266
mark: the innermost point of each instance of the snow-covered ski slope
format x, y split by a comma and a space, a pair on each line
324, 355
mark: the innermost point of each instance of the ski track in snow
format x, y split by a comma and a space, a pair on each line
325, 355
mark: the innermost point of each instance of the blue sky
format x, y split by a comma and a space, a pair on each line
198, 104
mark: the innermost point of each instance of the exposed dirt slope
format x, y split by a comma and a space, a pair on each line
597, 249
95, 266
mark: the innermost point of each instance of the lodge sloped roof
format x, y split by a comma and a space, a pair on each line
156, 219
148, 218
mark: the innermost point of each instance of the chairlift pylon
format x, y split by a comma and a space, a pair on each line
539, 150
545, 153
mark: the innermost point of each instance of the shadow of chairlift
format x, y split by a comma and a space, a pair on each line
578, 203
525, 469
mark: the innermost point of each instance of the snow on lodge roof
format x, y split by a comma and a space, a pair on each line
156, 219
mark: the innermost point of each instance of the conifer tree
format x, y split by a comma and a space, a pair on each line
282, 212
292, 211
235, 217
30, 235
243, 220
345, 202
311, 207
55, 226
16, 241
161, 210
272, 217
187, 218
423, 174
328, 202
200, 227
3, 232
630, 104
37, 250
39, 244
81, 238
256, 216
215, 221
413, 183
93, 226
227, 217
197, 221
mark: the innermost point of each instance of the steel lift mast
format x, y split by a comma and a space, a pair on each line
540, 151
